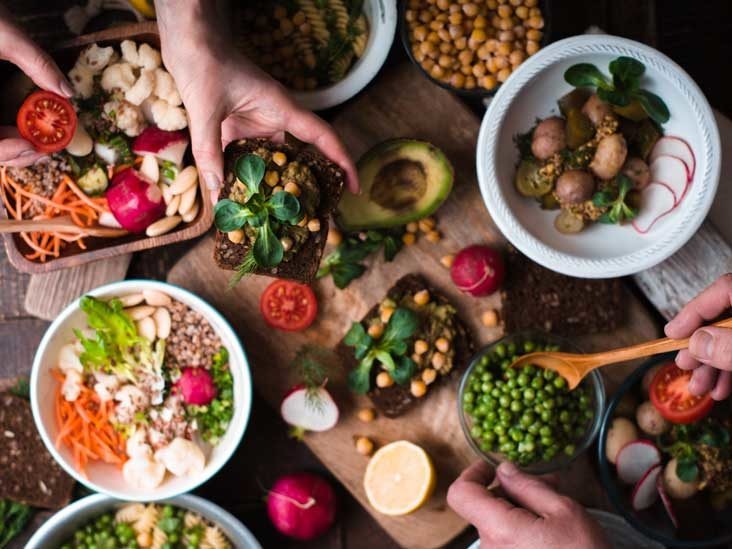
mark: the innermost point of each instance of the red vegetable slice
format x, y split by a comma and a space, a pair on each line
670, 395
288, 305
47, 120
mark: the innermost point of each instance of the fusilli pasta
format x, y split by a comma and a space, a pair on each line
147, 520
191, 519
361, 37
129, 513
213, 538
158, 538
340, 16
315, 17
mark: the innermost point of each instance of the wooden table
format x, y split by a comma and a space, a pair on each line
696, 34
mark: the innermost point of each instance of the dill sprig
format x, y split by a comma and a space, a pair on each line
247, 267
312, 364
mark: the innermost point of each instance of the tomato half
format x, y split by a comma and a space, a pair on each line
288, 306
670, 395
47, 120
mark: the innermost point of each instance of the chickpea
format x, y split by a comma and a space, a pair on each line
412, 227
408, 239
287, 243
432, 37
461, 43
435, 25
364, 446
492, 45
272, 177
478, 35
428, 64
455, 18
420, 33
437, 72
286, 27
235, 236
425, 16
445, 61
489, 82
429, 375
421, 346
489, 318
443, 4
506, 24
457, 80
444, 35
503, 74
534, 12
438, 360
447, 260
530, 3
418, 388
506, 36
470, 82
455, 31
426, 47
470, 9
366, 415
492, 4
305, 28
535, 22
519, 31
516, 58
532, 46
292, 188
534, 34
422, 297
480, 22
465, 57
496, 22
442, 344
466, 70
280, 12
479, 70
504, 48
386, 313
504, 11
383, 380
417, 359
410, 16
277, 189
427, 224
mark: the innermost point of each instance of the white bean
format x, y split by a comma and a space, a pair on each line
167, 195
187, 199
186, 179
130, 300
140, 312
173, 205
156, 298
162, 226
191, 214
146, 328
162, 322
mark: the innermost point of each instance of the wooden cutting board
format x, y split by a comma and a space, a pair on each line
400, 104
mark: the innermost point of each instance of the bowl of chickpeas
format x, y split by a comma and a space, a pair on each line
470, 47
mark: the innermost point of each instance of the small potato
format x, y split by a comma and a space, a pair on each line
675, 487
596, 109
622, 431
549, 138
609, 156
574, 187
637, 171
650, 420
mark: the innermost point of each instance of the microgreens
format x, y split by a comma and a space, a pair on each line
684, 440
619, 210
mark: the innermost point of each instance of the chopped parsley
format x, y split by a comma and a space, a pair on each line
213, 419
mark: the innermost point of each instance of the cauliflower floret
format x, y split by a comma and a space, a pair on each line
119, 75
71, 387
146, 108
82, 79
129, 52
165, 87
68, 359
136, 446
95, 58
141, 89
182, 457
130, 399
148, 57
126, 117
143, 473
105, 386
167, 117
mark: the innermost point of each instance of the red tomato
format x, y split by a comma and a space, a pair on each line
670, 395
288, 306
47, 120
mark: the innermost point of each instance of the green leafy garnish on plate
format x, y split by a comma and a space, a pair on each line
619, 211
13, 518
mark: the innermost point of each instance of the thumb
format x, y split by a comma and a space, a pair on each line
206, 147
14, 151
712, 345
531, 493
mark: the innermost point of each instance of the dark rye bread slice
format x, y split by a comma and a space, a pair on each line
395, 400
28, 473
303, 266
535, 298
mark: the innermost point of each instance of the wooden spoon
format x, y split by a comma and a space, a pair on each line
574, 367
62, 224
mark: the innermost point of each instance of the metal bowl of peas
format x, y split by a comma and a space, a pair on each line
527, 415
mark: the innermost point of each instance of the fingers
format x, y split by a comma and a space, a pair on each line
309, 128
530, 492
703, 380
206, 147
14, 151
723, 388
709, 304
712, 345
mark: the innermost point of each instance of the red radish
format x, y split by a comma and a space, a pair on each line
635, 459
313, 410
645, 492
671, 171
135, 202
657, 201
302, 505
675, 146
196, 386
170, 146
478, 270
149, 168
666, 501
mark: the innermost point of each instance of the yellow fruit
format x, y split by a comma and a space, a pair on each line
145, 7
399, 478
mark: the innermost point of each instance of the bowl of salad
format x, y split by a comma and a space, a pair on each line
183, 521
665, 458
140, 390
599, 157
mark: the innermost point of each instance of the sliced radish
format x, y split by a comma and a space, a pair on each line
309, 411
671, 170
666, 501
645, 492
149, 167
657, 200
635, 459
675, 146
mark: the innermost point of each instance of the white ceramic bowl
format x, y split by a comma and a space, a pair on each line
107, 478
382, 18
61, 526
600, 251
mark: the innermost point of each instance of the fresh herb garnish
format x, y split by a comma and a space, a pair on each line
13, 518
619, 211
21, 388
121, 144
213, 419
259, 212
389, 350
684, 440
623, 89
312, 364
168, 170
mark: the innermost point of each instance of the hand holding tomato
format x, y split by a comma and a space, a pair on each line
710, 348
16, 47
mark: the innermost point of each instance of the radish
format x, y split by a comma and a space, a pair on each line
196, 386
478, 270
666, 501
309, 409
149, 168
675, 146
635, 459
302, 505
657, 200
671, 171
170, 146
645, 492
135, 202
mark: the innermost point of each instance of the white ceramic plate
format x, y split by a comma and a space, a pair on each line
600, 251
107, 478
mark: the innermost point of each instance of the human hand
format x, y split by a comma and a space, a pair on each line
227, 97
710, 348
16, 47
535, 516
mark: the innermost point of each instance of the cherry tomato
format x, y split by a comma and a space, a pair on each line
288, 305
47, 120
670, 395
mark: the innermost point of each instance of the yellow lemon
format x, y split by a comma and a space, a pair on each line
399, 478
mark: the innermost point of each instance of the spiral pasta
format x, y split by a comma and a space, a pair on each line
191, 519
213, 538
147, 520
340, 66
340, 16
304, 47
129, 513
361, 38
315, 17
159, 538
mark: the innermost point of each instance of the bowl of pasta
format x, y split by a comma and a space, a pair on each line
324, 52
183, 521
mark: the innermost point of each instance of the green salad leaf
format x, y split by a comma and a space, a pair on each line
249, 170
619, 211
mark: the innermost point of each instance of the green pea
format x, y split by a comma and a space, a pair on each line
522, 379
545, 431
516, 406
534, 428
468, 397
476, 431
549, 375
569, 449
511, 383
499, 430
564, 416
489, 436
560, 383
492, 415
507, 447
549, 403
510, 373
537, 382
528, 346
505, 364
511, 349
516, 435
529, 394
500, 350
547, 441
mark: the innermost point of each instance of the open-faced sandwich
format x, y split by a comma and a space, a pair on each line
272, 215
404, 346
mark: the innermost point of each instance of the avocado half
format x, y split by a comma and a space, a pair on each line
402, 180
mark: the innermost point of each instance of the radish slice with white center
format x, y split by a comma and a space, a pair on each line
311, 411
671, 171
645, 492
635, 459
657, 200
666, 501
675, 146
